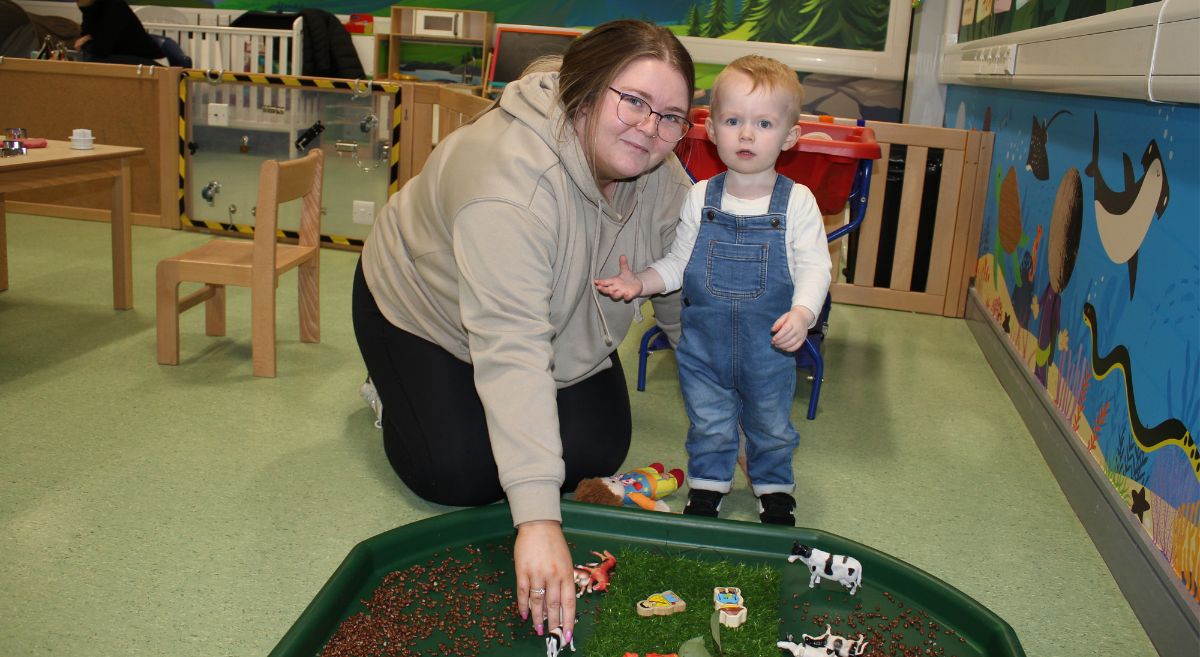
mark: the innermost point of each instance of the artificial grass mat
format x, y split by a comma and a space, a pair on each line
641, 573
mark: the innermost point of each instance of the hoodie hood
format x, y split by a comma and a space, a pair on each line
533, 100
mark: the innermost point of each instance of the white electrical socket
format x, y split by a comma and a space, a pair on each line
218, 114
364, 212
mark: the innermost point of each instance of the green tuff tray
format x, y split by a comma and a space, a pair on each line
889, 585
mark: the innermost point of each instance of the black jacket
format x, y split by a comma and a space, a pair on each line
115, 30
328, 50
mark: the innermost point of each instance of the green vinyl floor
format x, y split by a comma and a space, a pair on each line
196, 510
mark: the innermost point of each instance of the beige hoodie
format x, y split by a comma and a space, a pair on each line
490, 252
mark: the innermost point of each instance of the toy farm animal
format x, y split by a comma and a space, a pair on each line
555, 642
826, 645
594, 576
642, 487
811, 646
846, 571
800, 649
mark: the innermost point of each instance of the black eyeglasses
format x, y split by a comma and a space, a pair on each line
633, 111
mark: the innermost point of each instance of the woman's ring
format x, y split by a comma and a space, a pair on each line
537, 591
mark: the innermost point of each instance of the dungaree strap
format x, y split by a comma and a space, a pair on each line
714, 191
780, 195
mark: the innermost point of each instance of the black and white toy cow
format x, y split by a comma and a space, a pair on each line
826, 645
844, 570
555, 642
806, 649
800, 649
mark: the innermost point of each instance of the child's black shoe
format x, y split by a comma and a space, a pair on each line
777, 509
703, 503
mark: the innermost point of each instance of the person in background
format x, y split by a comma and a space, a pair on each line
752, 260
492, 354
111, 33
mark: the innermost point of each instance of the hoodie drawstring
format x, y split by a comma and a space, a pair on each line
608, 339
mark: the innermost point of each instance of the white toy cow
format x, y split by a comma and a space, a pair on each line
846, 571
555, 642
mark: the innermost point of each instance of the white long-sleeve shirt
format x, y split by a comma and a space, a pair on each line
808, 247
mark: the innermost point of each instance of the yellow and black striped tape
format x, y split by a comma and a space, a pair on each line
215, 77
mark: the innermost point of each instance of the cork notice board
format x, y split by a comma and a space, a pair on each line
122, 105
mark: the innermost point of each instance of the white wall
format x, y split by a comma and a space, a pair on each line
925, 97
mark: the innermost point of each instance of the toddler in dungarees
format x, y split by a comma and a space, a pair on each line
752, 259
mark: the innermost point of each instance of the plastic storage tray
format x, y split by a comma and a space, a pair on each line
971, 630
825, 166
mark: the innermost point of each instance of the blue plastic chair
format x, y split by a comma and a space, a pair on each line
809, 356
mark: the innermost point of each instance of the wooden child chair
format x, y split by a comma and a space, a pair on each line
254, 264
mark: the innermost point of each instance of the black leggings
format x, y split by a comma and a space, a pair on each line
434, 431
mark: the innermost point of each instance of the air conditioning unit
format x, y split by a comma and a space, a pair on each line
1149, 52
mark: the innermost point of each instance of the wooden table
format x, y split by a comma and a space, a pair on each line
59, 164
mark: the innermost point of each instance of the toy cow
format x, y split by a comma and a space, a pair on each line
555, 642
800, 649
804, 649
826, 645
594, 576
846, 571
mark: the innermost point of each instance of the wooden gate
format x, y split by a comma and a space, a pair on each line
430, 112
916, 248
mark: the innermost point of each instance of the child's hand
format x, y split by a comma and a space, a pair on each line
625, 286
791, 329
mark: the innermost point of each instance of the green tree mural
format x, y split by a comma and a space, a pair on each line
850, 24
694, 27
774, 21
717, 21
749, 7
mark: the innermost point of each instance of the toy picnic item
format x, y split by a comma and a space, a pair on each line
826, 645
844, 570
661, 604
730, 606
643, 487
591, 577
555, 642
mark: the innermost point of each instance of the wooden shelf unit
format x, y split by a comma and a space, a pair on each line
470, 28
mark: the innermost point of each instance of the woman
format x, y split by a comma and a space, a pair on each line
112, 34
474, 307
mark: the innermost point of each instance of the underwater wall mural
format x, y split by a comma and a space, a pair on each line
1089, 262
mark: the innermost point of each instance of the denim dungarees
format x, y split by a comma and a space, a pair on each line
736, 284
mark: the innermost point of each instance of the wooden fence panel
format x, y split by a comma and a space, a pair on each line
936, 237
430, 112
868, 232
909, 219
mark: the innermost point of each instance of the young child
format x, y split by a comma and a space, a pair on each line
752, 259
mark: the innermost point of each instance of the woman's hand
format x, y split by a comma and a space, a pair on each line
82, 40
545, 577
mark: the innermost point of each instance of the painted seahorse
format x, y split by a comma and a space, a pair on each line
1167, 432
